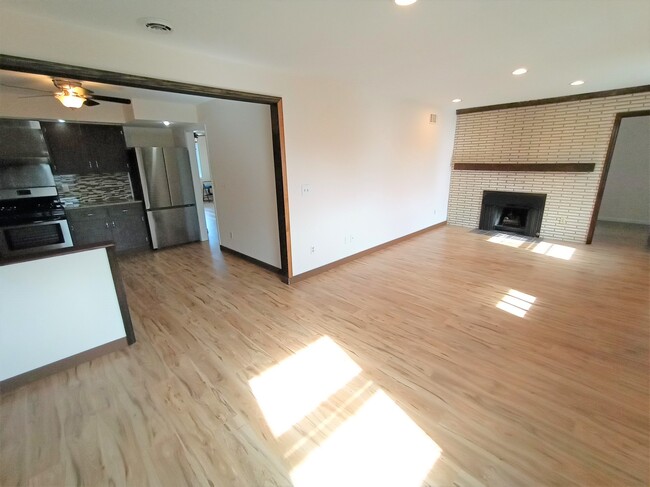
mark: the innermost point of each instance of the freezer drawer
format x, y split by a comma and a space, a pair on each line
173, 226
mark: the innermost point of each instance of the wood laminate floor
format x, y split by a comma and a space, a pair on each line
445, 360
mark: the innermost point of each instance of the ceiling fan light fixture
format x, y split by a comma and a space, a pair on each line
70, 99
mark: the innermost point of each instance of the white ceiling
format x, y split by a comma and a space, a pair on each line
434, 50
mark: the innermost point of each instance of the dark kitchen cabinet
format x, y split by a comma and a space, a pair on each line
129, 226
67, 154
123, 224
106, 148
77, 148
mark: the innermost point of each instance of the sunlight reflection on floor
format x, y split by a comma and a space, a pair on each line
554, 250
545, 248
377, 445
290, 390
516, 303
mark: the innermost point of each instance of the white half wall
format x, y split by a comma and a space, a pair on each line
627, 191
241, 156
77, 310
377, 169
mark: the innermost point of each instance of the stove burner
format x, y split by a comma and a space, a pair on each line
31, 210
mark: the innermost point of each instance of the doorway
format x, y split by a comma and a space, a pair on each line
622, 211
207, 184
274, 104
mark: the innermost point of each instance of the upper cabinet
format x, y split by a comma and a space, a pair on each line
85, 148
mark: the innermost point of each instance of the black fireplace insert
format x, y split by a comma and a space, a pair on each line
519, 213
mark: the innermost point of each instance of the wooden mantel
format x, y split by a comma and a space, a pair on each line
527, 167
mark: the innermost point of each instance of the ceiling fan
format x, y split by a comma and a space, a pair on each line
72, 95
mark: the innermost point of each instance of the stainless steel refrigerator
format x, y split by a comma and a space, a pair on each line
168, 192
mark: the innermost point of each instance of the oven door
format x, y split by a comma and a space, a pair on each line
32, 238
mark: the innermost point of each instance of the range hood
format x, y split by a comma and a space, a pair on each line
22, 142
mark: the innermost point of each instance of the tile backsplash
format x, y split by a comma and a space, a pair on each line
76, 189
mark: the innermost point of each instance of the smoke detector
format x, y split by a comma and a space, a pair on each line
158, 26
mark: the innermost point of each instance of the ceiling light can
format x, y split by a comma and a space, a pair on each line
577, 82
519, 71
456, 100
404, 3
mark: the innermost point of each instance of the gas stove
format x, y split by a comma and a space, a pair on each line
33, 210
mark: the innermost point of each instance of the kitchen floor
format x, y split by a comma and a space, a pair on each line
450, 359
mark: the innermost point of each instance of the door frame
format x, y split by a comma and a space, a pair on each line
48, 68
608, 162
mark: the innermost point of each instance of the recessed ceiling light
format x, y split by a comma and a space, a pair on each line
456, 100
578, 82
61, 121
166, 123
404, 3
519, 71
159, 26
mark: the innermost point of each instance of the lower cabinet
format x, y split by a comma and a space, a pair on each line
123, 224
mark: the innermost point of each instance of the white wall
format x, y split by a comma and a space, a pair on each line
77, 310
158, 111
241, 156
148, 137
378, 170
627, 192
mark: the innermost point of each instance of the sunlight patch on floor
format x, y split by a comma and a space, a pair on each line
379, 446
516, 303
508, 240
375, 444
544, 248
290, 390
554, 250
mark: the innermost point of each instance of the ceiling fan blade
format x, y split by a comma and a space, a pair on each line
111, 99
90, 103
35, 96
24, 88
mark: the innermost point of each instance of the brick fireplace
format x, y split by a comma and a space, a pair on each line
528, 141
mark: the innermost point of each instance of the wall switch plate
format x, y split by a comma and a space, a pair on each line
305, 189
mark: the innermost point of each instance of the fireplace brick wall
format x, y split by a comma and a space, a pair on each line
568, 132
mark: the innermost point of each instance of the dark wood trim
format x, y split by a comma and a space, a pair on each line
561, 167
48, 68
281, 193
251, 260
608, 163
26, 65
54, 253
345, 260
121, 294
557, 99
13, 383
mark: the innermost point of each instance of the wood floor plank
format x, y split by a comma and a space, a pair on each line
559, 396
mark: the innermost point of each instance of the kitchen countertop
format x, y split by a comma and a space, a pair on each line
105, 203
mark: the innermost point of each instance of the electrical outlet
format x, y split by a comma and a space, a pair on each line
230, 234
305, 189
434, 212
312, 249
563, 220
